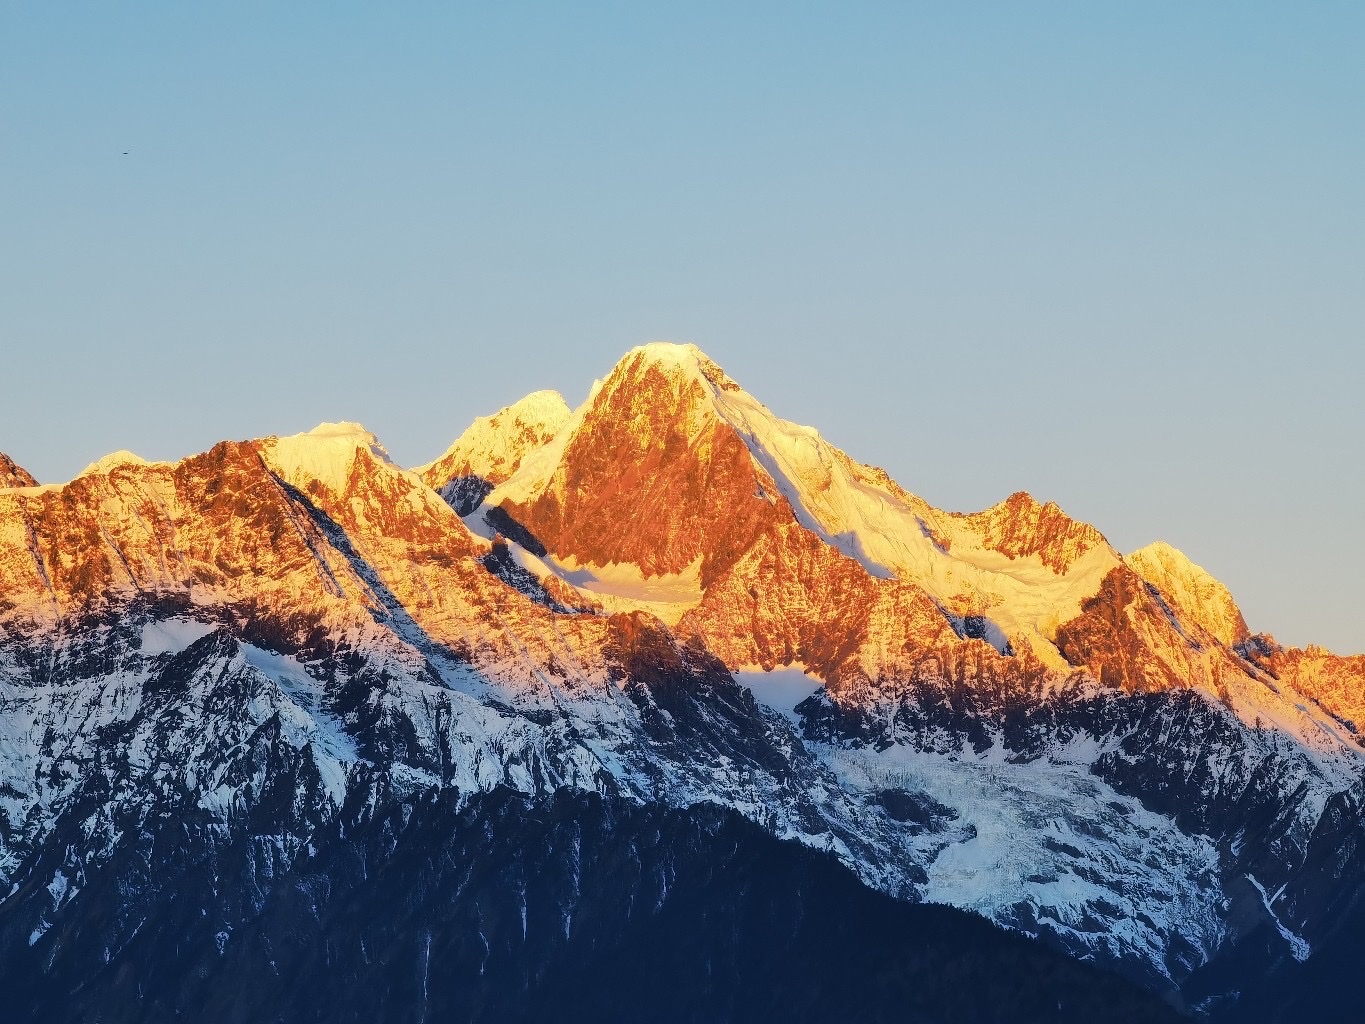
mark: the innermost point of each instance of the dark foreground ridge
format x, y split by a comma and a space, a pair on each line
577, 908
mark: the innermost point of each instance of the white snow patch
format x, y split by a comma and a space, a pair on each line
1051, 836
1298, 946
617, 587
57, 887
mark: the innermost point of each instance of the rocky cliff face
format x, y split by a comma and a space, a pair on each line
651, 477
666, 599
1335, 683
14, 475
1020, 527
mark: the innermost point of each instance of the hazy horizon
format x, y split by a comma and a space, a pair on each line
1112, 258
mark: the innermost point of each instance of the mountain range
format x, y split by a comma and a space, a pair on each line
661, 707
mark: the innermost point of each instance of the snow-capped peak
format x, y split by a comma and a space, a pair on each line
112, 461
1196, 594
539, 407
674, 359
652, 384
493, 447
324, 454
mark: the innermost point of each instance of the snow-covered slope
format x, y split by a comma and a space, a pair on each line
1193, 593
1004, 565
322, 456
493, 447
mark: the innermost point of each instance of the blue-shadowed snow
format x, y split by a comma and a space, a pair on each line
1047, 847
781, 689
171, 636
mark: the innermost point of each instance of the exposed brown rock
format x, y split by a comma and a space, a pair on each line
14, 475
1020, 526
792, 598
1335, 681
217, 520
221, 534
651, 478
1122, 634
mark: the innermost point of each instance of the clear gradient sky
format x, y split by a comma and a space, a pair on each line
1113, 254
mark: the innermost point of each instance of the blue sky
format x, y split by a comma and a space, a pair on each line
1111, 254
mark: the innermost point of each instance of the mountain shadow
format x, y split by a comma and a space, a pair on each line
501, 908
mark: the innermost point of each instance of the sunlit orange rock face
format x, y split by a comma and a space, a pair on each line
653, 479
792, 599
227, 534
648, 474
1120, 636
217, 520
14, 475
1337, 683
1021, 526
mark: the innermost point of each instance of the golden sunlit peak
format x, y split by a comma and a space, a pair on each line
683, 357
112, 461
